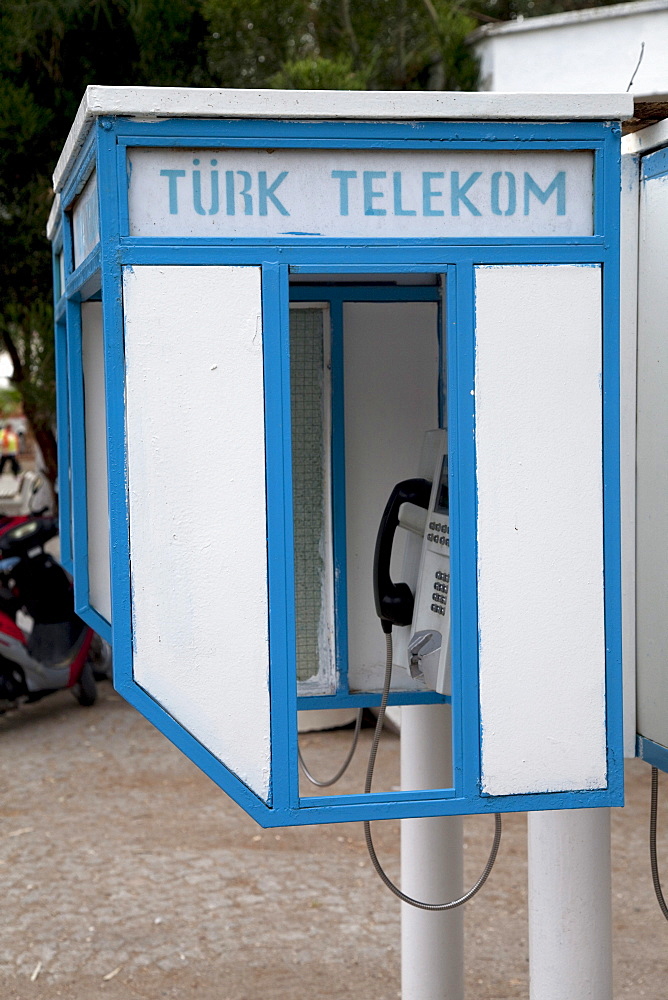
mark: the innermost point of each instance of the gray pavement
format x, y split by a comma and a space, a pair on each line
124, 872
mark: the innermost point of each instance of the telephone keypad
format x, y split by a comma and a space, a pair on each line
438, 527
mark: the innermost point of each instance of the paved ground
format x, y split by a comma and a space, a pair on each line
125, 873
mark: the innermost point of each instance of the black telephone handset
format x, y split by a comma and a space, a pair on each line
394, 601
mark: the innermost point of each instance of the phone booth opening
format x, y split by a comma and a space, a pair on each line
334, 366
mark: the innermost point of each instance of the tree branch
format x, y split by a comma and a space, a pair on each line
350, 32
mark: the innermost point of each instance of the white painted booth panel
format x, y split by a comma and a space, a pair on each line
651, 464
540, 528
197, 503
391, 368
85, 222
97, 491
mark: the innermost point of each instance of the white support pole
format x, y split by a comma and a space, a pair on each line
570, 905
432, 944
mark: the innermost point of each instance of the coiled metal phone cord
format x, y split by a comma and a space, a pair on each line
367, 826
652, 842
344, 767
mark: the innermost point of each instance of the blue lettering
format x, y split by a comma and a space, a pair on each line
215, 198
265, 192
368, 177
558, 185
197, 190
398, 210
229, 192
173, 201
343, 176
458, 192
248, 200
428, 194
512, 194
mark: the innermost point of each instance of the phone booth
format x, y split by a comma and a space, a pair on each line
646, 220
338, 364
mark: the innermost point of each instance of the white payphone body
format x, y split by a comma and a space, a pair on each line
423, 646
429, 644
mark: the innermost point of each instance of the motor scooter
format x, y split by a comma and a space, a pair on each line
59, 650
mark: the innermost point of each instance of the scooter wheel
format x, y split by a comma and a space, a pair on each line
100, 659
85, 690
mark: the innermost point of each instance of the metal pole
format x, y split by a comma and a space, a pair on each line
570, 905
432, 944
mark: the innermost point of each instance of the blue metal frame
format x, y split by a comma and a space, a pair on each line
63, 446
62, 411
652, 753
77, 453
109, 141
69, 372
82, 283
336, 297
654, 164
651, 166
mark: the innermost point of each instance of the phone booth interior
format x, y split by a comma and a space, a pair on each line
289, 319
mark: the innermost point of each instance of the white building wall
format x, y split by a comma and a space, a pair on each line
586, 51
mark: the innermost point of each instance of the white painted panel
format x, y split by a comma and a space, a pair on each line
391, 400
86, 221
196, 468
97, 494
652, 467
540, 528
367, 193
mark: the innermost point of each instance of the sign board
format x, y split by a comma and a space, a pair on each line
384, 193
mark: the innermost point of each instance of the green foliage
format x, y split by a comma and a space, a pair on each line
10, 401
318, 73
250, 40
400, 44
30, 329
335, 44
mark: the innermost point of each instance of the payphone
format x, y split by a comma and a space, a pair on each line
298, 287
422, 605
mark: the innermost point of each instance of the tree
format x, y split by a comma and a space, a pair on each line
375, 45
49, 51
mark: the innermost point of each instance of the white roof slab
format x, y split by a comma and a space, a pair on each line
154, 103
